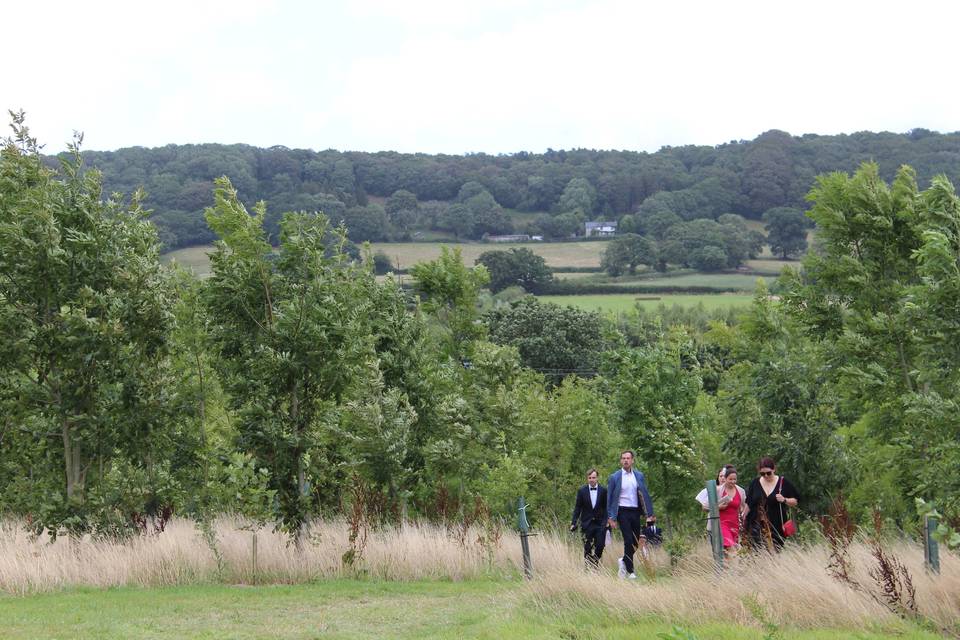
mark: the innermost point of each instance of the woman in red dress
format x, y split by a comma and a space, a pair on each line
733, 504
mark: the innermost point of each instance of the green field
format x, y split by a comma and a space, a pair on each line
349, 609
623, 302
556, 254
195, 259
407, 254
741, 281
771, 266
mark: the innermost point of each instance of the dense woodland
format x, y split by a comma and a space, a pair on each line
292, 384
390, 195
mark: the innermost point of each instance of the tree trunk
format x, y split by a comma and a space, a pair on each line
299, 452
73, 464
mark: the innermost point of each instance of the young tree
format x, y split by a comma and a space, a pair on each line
880, 298
448, 291
292, 334
85, 314
654, 393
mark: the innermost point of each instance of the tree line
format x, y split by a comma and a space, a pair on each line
129, 391
389, 195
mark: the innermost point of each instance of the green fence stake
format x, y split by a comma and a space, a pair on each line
931, 548
524, 527
716, 540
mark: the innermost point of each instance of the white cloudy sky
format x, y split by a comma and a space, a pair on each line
495, 75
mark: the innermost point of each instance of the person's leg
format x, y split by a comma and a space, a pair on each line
629, 521
600, 541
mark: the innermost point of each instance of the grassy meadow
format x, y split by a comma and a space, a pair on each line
428, 581
361, 609
624, 302
406, 254
570, 254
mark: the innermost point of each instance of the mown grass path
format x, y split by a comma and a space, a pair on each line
357, 609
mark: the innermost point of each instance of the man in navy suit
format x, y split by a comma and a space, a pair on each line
628, 502
589, 511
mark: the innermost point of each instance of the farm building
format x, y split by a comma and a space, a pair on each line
591, 229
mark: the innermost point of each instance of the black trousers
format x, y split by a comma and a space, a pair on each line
630, 520
594, 538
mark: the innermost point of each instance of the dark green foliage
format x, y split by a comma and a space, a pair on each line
786, 230
382, 263
366, 224
552, 339
676, 183
708, 258
626, 252
516, 267
723, 244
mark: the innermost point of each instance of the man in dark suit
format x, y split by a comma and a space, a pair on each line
589, 512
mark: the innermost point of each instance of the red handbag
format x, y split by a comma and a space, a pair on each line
789, 526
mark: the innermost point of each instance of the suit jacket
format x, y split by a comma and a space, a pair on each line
613, 494
587, 515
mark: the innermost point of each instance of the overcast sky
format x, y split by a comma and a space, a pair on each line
497, 76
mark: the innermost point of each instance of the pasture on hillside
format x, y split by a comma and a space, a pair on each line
406, 254
556, 254
615, 303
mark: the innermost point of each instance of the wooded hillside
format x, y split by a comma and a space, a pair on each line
389, 195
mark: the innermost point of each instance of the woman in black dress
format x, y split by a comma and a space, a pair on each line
768, 499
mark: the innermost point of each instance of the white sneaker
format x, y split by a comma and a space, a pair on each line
632, 576
622, 571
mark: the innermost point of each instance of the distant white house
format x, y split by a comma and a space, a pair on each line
600, 229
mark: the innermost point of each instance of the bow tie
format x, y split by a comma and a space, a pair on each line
593, 488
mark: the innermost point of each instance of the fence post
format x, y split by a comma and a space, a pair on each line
931, 548
524, 527
716, 539
253, 555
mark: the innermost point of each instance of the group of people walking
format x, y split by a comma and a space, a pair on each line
756, 515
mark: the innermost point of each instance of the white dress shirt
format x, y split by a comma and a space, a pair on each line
628, 489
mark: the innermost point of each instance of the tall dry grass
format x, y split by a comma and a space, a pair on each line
181, 555
793, 588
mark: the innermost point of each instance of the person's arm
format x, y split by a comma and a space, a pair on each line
577, 510
611, 507
751, 497
788, 494
647, 501
744, 507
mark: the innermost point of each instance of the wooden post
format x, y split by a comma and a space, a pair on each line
524, 527
931, 548
716, 539
254, 558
